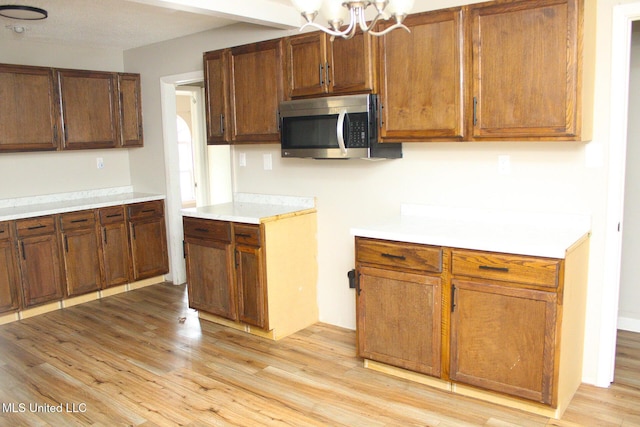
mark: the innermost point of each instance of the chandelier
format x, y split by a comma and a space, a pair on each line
337, 11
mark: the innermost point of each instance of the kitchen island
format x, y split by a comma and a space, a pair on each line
252, 263
483, 303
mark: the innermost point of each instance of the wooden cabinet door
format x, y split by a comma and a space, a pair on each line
115, 254
9, 300
307, 64
503, 339
29, 114
40, 268
130, 110
256, 90
525, 76
399, 319
421, 79
89, 109
149, 256
147, 239
216, 89
210, 277
81, 261
351, 64
252, 301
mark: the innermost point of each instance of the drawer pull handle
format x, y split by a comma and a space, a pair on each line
392, 256
79, 220
202, 230
243, 235
35, 227
114, 215
488, 267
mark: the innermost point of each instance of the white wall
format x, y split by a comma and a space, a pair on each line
548, 177
28, 174
629, 309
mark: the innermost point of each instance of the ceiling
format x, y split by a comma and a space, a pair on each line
126, 24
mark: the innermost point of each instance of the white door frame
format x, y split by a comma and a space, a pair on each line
172, 171
623, 17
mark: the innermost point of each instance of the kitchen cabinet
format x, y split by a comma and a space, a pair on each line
256, 86
502, 327
80, 252
148, 239
216, 88
209, 260
29, 114
316, 65
130, 102
89, 109
421, 78
399, 305
259, 278
504, 323
243, 87
114, 246
250, 275
9, 297
527, 67
39, 260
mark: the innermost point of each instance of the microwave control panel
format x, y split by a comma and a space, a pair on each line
357, 134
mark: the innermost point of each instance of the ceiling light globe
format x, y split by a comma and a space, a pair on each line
307, 6
399, 7
333, 10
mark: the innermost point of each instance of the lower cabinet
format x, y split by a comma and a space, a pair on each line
114, 244
39, 260
489, 324
260, 278
80, 252
148, 239
9, 298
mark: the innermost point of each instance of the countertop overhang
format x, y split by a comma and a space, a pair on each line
535, 234
253, 208
34, 206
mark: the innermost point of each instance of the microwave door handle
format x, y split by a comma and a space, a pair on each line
339, 132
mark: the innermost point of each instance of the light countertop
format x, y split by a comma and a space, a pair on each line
29, 207
253, 208
535, 234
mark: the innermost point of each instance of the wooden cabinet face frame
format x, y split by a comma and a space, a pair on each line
29, 111
9, 289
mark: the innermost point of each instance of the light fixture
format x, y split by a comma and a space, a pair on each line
27, 13
337, 10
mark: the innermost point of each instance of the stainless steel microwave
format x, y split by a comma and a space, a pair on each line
335, 127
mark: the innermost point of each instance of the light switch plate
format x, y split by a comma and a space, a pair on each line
242, 159
99, 163
268, 162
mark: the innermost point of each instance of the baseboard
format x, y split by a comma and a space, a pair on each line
629, 324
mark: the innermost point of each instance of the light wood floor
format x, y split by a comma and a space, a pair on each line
143, 358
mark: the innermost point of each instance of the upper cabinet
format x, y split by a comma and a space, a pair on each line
49, 109
244, 86
130, 110
527, 70
89, 109
29, 115
216, 87
316, 65
421, 79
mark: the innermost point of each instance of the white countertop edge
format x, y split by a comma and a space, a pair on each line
59, 197
270, 199
220, 217
76, 204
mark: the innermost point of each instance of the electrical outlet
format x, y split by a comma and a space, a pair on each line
242, 159
100, 163
268, 162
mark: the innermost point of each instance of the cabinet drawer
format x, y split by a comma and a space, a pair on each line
398, 254
207, 229
146, 209
4, 231
35, 226
247, 234
75, 220
111, 215
505, 267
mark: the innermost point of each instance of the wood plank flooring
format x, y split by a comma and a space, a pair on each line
144, 358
